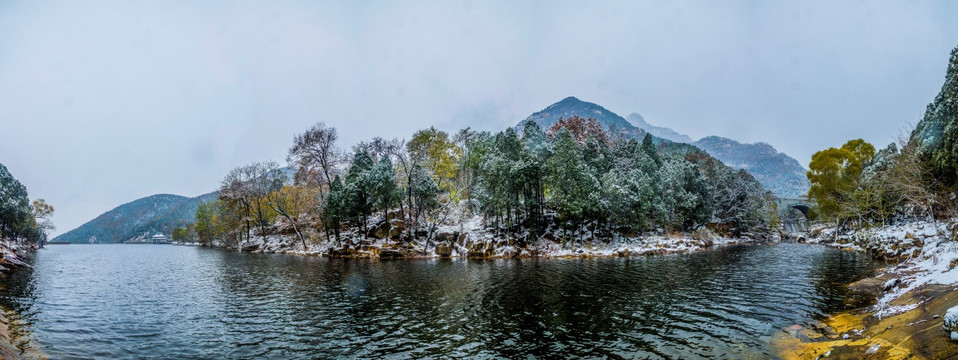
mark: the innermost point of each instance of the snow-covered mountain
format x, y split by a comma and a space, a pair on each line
778, 172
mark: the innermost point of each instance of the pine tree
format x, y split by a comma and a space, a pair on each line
337, 207
383, 183
360, 186
567, 179
648, 146
684, 193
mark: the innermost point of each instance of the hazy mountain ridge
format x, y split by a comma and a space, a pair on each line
778, 172
156, 213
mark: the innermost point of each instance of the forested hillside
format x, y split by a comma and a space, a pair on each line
146, 216
778, 172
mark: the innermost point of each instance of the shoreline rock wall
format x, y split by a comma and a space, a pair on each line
388, 243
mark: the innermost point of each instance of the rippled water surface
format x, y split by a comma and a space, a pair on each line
163, 301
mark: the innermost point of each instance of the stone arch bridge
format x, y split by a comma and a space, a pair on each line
794, 213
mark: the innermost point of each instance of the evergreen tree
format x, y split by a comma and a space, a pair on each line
15, 217
649, 148
383, 184
360, 187
337, 206
424, 192
684, 193
567, 179
937, 132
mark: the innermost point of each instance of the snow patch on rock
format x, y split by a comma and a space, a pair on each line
926, 253
951, 322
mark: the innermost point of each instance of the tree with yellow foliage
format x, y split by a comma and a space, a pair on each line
835, 174
438, 154
294, 203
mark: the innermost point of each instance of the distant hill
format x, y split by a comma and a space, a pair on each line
146, 216
778, 172
153, 214
662, 132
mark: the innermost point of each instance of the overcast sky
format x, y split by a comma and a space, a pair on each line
102, 103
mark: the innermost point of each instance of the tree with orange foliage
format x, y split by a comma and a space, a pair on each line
581, 129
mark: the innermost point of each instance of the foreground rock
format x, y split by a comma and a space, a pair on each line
913, 334
951, 323
910, 302
13, 346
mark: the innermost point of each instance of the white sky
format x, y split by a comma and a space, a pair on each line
102, 103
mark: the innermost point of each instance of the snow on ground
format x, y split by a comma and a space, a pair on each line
927, 253
472, 238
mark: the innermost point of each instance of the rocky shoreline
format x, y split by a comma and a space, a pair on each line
14, 343
388, 239
908, 310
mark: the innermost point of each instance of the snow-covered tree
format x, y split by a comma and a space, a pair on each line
684, 193
568, 179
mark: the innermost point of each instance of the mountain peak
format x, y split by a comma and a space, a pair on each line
636, 119
572, 106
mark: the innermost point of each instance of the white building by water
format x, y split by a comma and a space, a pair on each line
160, 239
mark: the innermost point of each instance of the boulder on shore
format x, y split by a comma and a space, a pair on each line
380, 231
872, 287
951, 322
391, 254
443, 250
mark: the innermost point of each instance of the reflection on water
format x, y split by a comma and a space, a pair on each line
136, 301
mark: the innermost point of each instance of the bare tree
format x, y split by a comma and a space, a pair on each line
43, 214
235, 194
249, 186
911, 178
315, 155
396, 148
266, 179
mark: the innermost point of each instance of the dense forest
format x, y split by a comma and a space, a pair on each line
574, 178
21, 220
915, 178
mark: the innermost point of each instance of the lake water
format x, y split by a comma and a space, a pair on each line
164, 301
